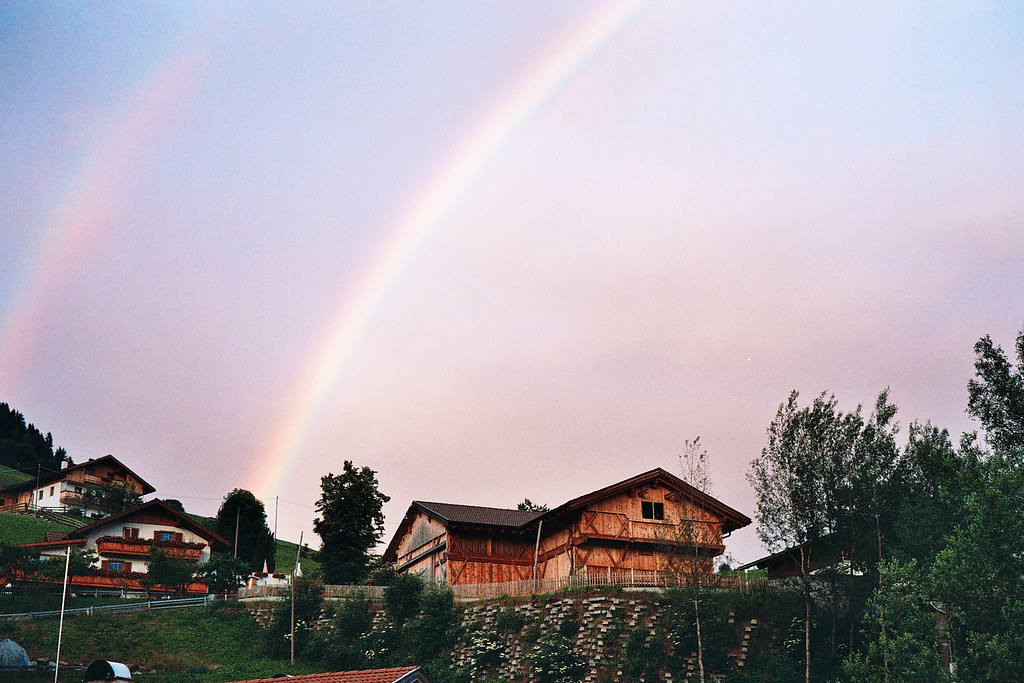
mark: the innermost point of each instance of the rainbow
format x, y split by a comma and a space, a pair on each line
434, 199
90, 205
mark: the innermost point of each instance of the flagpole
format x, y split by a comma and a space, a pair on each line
63, 597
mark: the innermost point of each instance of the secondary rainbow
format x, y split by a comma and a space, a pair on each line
435, 198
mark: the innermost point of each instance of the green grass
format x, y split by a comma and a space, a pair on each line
285, 558
212, 644
15, 529
10, 476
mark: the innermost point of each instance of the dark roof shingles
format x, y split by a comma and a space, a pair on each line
480, 516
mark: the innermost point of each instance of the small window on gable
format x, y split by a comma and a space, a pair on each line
652, 510
78, 489
130, 532
166, 536
115, 566
51, 491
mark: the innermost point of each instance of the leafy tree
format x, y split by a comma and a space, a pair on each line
15, 563
350, 522
996, 397
931, 483
175, 504
904, 644
978, 576
168, 571
224, 573
529, 506
241, 510
789, 482
111, 498
81, 563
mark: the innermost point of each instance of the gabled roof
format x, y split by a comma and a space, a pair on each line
476, 515
732, 519
451, 514
51, 477
402, 674
181, 520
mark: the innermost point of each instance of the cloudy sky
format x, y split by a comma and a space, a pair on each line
495, 250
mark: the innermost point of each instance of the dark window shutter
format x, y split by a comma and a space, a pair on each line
127, 567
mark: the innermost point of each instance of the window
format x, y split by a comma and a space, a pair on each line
51, 492
115, 566
78, 489
129, 532
165, 536
652, 510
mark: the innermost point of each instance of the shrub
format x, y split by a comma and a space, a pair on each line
309, 599
509, 622
486, 651
554, 660
438, 625
642, 659
402, 597
569, 628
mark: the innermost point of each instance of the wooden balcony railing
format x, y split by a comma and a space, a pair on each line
140, 547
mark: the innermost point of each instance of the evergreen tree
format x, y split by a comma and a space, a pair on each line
23, 447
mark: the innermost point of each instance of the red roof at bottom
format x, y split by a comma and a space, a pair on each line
367, 676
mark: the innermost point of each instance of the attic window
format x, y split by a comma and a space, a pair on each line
651, 510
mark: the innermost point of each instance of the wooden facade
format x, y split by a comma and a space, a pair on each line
65, 490
651, 522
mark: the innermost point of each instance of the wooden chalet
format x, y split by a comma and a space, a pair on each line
124, 541
65, 490
654, 521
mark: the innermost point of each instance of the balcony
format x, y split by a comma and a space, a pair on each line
141, 547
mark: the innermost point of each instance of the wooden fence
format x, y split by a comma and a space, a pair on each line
621, 578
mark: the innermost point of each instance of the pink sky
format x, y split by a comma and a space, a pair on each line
667, 217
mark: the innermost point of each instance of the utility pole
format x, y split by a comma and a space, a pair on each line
238, 517
35, 494
298, 551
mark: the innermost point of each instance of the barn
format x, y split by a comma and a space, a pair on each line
652, 522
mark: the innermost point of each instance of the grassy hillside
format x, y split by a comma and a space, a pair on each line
286, 558
218, 643
16, 529
10, 476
